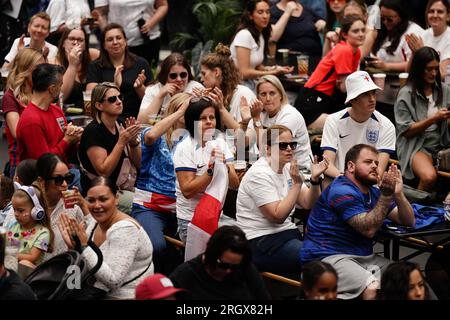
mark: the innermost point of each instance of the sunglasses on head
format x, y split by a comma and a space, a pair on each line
59, 180
284, 145
174, 75
113, 99
227, 266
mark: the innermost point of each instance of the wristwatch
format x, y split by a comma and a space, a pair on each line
257, 123
210, 171
316, 183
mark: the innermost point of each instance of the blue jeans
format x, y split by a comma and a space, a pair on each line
278, 252
182, 229
155, 223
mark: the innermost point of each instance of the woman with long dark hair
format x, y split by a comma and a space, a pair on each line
117, 64
390, 47
422, 119
250, 43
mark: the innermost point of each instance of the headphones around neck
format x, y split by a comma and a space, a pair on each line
37, 213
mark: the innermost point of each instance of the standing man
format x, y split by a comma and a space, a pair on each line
42, 127
360, 123
347, 216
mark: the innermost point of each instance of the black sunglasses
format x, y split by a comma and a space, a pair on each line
113, 99
227, 266
59, 180
174, 75
284, 145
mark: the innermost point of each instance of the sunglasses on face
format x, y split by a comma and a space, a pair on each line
113, 99
227, 266
59, 180
174, 75
284, 145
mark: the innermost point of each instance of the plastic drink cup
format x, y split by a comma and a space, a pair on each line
240, 165
272, 49
302, 64
403, 78
87, 102
379, 79
284, 53
68, 203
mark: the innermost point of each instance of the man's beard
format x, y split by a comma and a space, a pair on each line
365, 179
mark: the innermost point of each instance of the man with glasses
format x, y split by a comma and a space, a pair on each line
359, 123
42, 127
345, 219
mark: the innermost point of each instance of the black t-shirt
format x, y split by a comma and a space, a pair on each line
131, 102
96, 134
300, 33
13, 288
243, 284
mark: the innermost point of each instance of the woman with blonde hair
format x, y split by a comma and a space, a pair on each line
105, 144
17, 95
154, 198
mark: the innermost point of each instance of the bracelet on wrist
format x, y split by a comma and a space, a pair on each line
316, 183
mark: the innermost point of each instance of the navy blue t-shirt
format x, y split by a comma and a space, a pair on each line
300, 33
328, 232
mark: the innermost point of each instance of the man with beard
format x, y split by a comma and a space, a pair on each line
360, 123
346, 217
42, 127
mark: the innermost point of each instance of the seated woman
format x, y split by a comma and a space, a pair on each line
31, 229
422, 119
154, 196
437, 36
174, 76
126, 247
17, 96
335, 13
319, 281
267, 197
323, 92
54, 178
390, 48
403, 281
105, 144
38, 29
75, 55
195, 158
276, 110
250, 43
116, 64
299, 31
224, 271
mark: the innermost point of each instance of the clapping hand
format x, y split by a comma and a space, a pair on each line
69, 228
389, 181
140, 80
297, 177
246, 114
318, 168
118, 75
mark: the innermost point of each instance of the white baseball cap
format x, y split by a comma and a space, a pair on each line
357, 83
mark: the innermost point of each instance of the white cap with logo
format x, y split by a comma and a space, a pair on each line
358, 83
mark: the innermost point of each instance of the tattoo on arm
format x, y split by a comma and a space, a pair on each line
368, 223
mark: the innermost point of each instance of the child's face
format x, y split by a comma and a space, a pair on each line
325, 288
22, 210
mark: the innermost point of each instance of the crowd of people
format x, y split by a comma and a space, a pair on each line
164, 148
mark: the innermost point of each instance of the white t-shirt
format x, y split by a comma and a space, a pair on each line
291, 118
403, 52
127, 13
190, 156
52, 50
260, 186
244, 39
152, 91
440, 43
240, 91
68, 12
432, 110
341, 132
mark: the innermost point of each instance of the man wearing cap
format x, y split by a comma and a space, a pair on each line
347, 216
360, 123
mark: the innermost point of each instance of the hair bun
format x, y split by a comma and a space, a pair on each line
223, 50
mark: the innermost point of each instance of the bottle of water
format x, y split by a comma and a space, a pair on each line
447, 76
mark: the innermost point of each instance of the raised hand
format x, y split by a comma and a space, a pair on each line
246, 114
140, 80
118, 75
217, 96
169, 89
317, 168
388, 182
66, 231
256, 107
297, 178
129, 134
74, 55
